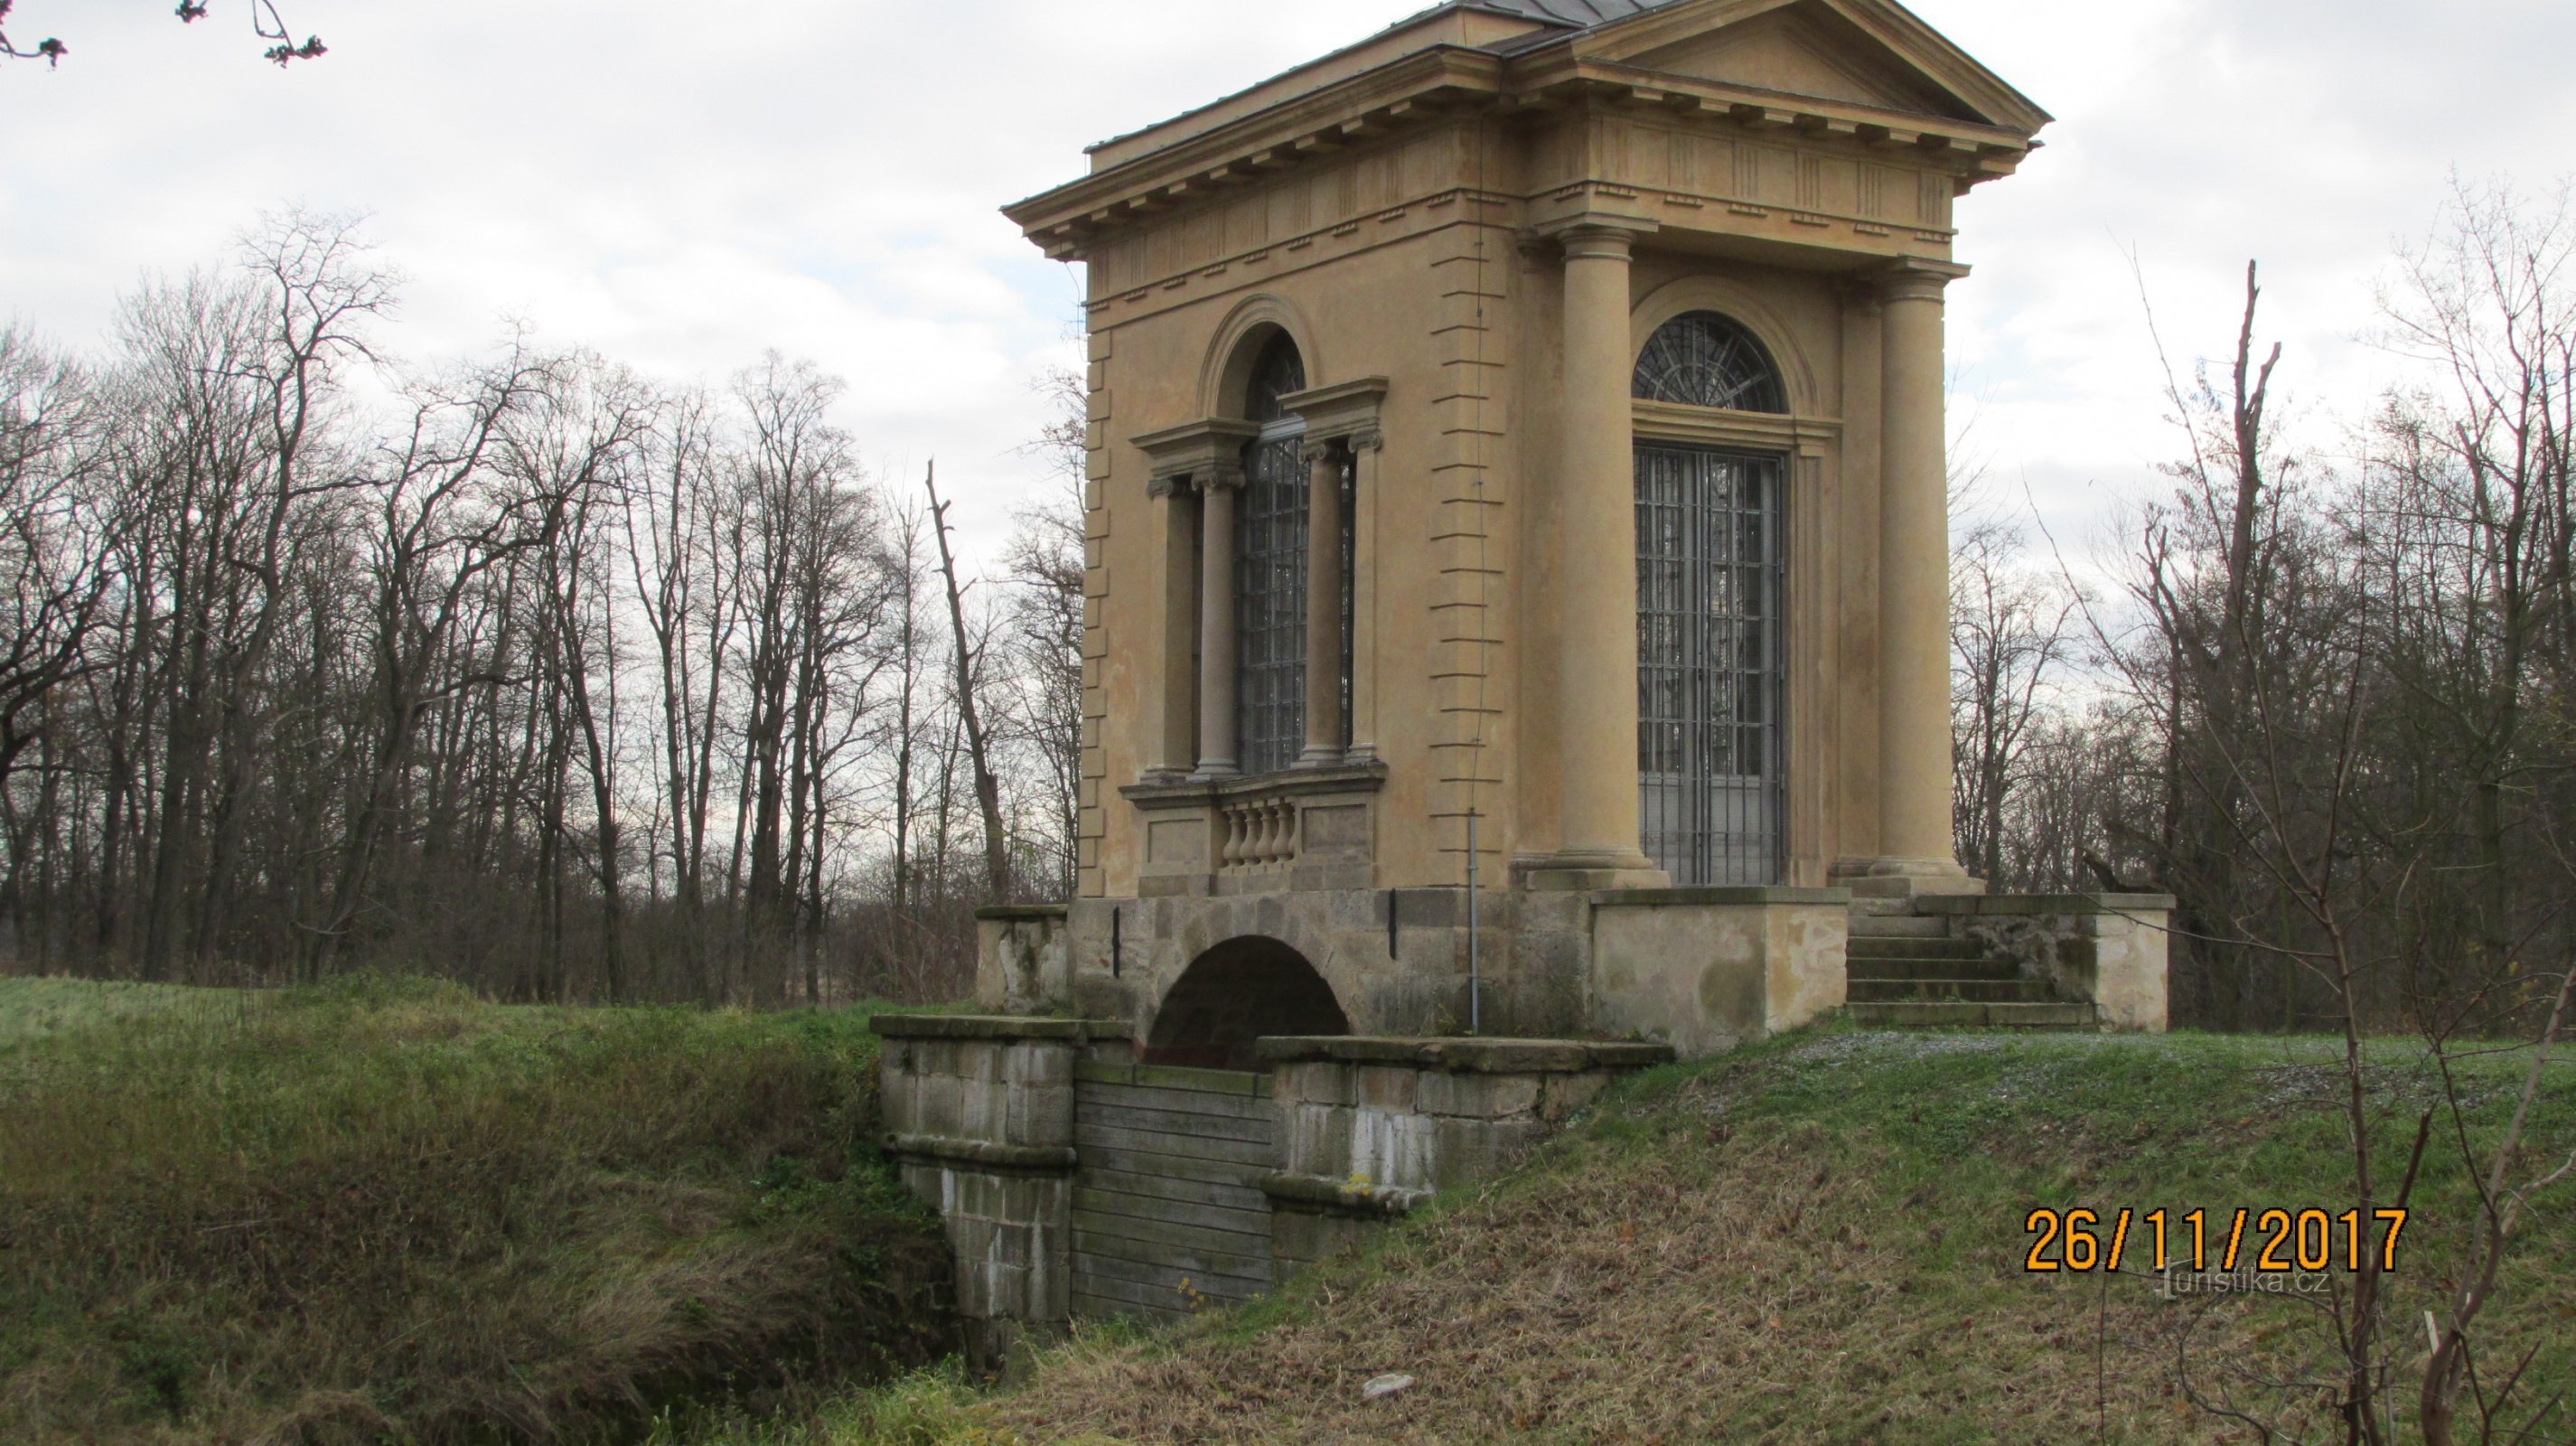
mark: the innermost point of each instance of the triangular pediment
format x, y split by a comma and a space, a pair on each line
1852, 52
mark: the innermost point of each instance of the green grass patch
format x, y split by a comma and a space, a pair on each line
383, 1211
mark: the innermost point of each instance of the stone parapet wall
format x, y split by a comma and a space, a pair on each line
2111, 950
1024, 958
1375, 1126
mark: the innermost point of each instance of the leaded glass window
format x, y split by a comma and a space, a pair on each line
1709, 665
1270, 571
1702, 359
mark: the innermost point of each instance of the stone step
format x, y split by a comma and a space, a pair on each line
1869, 946
1949, 991
2009, 1016
1984, 971
1898, 926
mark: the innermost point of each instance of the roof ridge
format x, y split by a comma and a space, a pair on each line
1573, 14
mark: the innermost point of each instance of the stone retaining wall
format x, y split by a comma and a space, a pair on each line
1377, 1126
979, 1119
986, 1122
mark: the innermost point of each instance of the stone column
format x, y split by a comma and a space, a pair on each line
1323, 605
1217, 490
1365, 561
1597, 571
1915, 758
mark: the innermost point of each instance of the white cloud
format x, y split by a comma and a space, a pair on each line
685, 185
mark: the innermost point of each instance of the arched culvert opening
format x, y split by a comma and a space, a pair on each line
1236, 993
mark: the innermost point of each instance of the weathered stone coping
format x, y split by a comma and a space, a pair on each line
997, 1027
1337, 778
1747, 896
1472, 1056
1173, 1076
1025, 913
1976, 904
1342, 1196
984, 1154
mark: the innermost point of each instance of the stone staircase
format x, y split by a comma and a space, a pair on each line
1906, 971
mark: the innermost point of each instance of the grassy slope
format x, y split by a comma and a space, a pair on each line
1816, 1241
389, 1212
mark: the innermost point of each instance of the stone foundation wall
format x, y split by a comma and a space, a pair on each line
1700, 969
1709, 969
1397, 960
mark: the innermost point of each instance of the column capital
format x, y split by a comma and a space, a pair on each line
1184, 457
1319, 449
1220, 477
1917, 278
1596, 235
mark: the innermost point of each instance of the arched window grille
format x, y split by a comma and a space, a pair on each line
1702, 359
1270, 569
1711, 625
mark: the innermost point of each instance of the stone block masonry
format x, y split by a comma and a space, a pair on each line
979, 1116
1073, 1180
1375, 1127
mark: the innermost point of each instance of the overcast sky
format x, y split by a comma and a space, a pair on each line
684, 185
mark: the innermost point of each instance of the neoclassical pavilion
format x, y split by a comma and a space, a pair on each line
1517, 553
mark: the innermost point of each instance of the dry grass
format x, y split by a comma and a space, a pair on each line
388, 1213
1822, 1243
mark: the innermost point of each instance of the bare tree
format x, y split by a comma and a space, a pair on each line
969, 654
1045, 558
265, 22
2009, 637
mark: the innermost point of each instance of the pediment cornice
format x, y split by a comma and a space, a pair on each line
1903, 38
1586, 70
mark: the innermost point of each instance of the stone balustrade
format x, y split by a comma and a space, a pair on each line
1259, 833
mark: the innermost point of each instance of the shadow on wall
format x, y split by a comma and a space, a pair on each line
1234, 994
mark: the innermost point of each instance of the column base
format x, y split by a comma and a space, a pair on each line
1318, 756
1216, 770
1586, 870
1898, 878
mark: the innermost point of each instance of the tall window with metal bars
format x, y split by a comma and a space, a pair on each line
1711, 677
1270, 570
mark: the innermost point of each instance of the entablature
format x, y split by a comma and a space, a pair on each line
1449, 84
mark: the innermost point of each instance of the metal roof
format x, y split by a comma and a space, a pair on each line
1581, 14
1564, 15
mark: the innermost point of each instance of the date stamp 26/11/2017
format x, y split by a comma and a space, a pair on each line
2248, 1242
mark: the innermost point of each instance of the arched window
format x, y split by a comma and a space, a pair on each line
1702, 359
1712, 681
1270, 569
1279, 372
